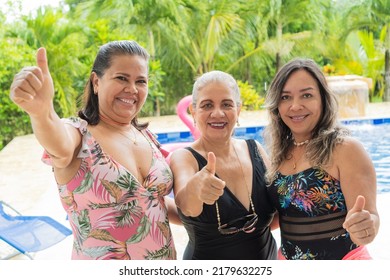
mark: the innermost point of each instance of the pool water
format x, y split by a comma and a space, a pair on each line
374, 134
376, 140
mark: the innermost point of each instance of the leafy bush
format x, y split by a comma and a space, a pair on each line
251, 100
13, 121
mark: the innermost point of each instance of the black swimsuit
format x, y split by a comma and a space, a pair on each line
206, 242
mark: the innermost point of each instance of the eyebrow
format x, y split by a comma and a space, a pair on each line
302, 90
223, 100
127, 75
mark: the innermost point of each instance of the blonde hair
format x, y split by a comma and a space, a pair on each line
325, 135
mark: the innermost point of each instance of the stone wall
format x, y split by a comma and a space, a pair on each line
353, 94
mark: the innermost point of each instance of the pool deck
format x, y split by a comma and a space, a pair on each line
28, 185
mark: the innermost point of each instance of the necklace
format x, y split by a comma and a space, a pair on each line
296, 161
301, 143
134, 140
249, 195
108, 123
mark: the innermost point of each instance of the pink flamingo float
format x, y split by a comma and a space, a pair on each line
181, 111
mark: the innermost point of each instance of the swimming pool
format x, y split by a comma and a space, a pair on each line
373, 133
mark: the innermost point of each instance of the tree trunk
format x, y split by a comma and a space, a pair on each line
277, 62
386, 94
156, 105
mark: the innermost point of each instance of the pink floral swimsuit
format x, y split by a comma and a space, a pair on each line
112, 215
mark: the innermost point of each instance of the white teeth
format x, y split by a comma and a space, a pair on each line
298, 118
128, 101
217, 124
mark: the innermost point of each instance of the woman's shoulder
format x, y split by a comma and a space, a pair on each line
182, 153
77, 123
261, 153
349, 144
349, 150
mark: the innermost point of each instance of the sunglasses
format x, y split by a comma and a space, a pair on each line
248, 221
248, 227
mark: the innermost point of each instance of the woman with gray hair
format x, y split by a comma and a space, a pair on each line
322, 181
219, 181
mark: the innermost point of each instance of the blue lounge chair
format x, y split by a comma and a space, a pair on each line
29, 234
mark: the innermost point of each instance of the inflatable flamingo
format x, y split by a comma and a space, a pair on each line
181, 111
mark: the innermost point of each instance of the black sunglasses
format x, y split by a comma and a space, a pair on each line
248, 227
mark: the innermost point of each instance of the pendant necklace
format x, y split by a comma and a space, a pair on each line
134, 140
295, 162
298, 144
108, 122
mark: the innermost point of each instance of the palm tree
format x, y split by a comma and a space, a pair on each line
147, 21
206, 26
282, 16
63, 42
374, 15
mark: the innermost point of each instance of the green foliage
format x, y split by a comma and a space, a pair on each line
13, 121
251, 100
250, 39
156, 91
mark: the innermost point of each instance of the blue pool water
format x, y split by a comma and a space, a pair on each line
373, 133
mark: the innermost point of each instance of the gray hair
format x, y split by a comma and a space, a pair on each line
213, 77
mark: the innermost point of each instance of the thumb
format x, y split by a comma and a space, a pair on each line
359, 204
211, 161
42, 60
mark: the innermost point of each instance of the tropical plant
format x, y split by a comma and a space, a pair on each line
64, 42
251, 100
13, 121
374, 15
156, 92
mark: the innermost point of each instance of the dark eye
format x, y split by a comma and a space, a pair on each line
284, 97
227, 105
142, 81
122, 78
307, 95
206, 106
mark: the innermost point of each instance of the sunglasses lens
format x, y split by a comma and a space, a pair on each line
247, 225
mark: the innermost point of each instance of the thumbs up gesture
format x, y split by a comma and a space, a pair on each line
359, 223
211, 187
32, 88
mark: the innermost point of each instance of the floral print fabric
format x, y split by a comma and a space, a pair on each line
309, 197
112, 215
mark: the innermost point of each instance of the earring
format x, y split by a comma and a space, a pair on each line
238, 123
194, 123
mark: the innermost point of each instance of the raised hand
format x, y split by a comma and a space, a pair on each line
211, 187
32, 88
359, 223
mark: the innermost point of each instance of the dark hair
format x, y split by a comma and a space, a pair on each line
103, 60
